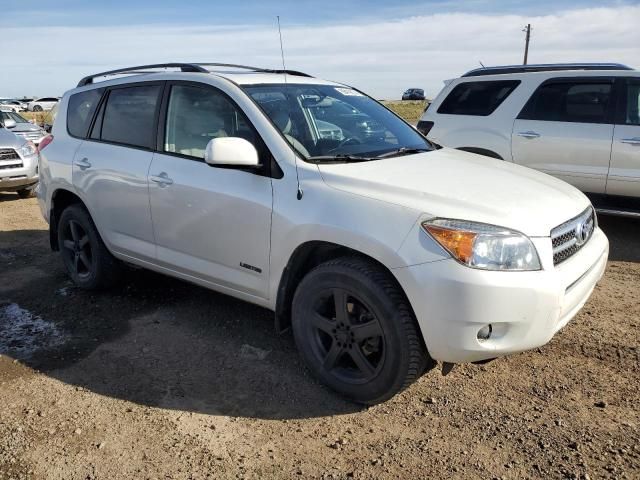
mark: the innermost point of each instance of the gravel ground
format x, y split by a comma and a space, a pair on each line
162, 379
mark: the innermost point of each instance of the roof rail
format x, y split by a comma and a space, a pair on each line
546, 67
253, 69
184, 67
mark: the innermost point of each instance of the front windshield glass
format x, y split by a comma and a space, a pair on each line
12, 116
325, 121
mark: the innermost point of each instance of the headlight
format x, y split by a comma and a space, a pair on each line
483, 246
27, 150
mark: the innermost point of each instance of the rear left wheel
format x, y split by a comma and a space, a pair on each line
356, 331
86, 259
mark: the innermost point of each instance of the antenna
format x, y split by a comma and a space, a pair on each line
481, 64
284, 68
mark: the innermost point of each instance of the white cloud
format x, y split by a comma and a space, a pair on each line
382, 58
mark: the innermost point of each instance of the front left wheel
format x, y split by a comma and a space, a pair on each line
26, 193
356, 331
85, 256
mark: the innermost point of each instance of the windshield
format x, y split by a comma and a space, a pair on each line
323, 121
13, 116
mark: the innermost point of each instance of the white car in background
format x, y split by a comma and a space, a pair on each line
577, 122
13, 105
41, 104
380, 251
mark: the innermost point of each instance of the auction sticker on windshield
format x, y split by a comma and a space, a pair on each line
349, 92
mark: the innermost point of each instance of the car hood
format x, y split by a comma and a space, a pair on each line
451, 183
25, 127
8, 139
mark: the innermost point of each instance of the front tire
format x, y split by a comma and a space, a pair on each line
86, 259
26, 193
356, 331
37, 108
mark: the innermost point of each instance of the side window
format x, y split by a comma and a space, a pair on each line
633, 103
129, 116
196, 115
80, 111
477, 98
567, 101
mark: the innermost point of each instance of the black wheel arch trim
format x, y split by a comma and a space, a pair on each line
481, 151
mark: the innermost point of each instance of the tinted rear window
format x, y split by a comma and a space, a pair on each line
129, 116
80, 111
569, 101
477, 98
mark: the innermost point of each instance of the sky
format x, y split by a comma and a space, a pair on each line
381, 47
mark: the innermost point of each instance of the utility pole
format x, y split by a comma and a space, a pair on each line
526, 45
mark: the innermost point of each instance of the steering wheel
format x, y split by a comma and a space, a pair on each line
349, 141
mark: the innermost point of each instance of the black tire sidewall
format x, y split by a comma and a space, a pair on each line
391, 377
81, 216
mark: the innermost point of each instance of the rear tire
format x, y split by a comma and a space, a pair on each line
26, 193
84, 255
356, 331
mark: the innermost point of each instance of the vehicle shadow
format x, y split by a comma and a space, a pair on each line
8, 197
161, 342
624, 237
152, 340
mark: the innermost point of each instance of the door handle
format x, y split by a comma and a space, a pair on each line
631, 141
162, 179
84, 164
529, 134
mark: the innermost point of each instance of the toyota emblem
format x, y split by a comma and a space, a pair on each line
583, 231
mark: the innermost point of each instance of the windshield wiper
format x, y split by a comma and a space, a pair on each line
339, 158
403, 151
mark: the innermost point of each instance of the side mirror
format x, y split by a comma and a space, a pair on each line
9, 123
231, 152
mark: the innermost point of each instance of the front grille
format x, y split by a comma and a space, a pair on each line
8, 154
568, 238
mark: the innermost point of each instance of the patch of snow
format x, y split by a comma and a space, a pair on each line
250, 352
23, 333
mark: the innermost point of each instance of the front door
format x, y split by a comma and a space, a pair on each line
624, 174
565, 130
210, 223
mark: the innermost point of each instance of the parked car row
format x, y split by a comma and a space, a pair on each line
29, 104
381, 250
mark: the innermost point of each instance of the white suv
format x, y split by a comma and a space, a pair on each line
381, 252
578, 122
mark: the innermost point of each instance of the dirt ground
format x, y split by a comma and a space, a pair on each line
162, 379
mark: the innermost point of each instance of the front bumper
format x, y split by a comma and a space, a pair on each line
19, 177
525, 309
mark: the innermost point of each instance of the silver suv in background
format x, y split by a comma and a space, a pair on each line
18, 162
577, 122
23, 127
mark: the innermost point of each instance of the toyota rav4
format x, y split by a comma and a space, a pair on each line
383, 253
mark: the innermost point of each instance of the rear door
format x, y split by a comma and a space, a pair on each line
210, 223
110, 168
624, 174
565, 129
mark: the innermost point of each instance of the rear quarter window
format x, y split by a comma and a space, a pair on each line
477, 98
80, 111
